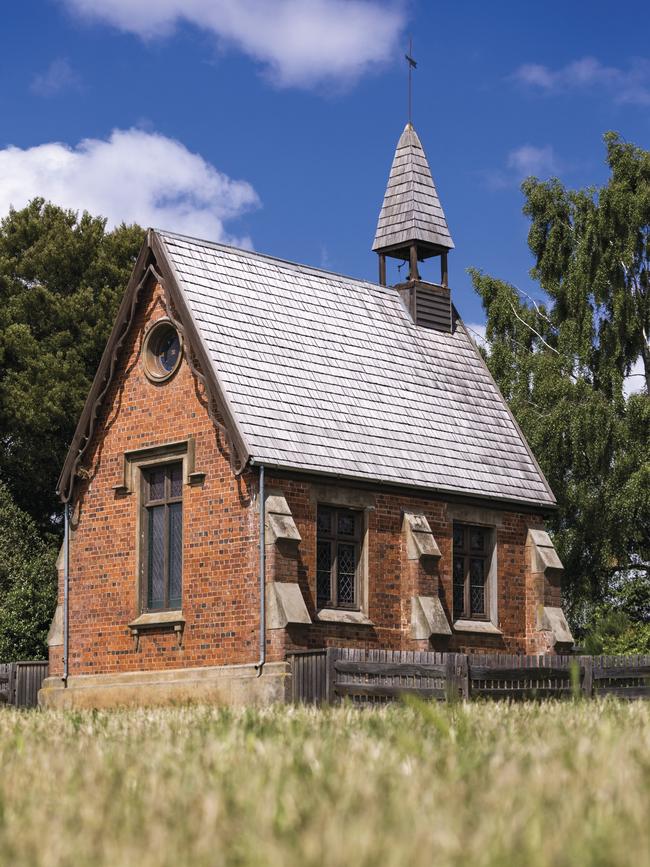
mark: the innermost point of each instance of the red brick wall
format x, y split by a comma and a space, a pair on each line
220, 547
393, 578
220, 583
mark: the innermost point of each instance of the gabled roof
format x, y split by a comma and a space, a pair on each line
327, 374
411, 211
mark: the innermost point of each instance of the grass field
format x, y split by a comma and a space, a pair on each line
481, 784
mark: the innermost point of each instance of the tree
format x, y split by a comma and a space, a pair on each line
61, 280
27, 584
562, 363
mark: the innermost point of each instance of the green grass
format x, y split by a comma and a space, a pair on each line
481, 784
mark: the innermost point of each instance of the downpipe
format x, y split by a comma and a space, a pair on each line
66, 590
260, 663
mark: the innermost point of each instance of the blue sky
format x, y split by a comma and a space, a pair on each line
273, 122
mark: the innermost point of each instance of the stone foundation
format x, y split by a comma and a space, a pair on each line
224, 684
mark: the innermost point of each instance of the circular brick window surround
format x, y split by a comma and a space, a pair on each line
162, 351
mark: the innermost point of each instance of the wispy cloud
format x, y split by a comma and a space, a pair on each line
133, 176
301, 43
531, 160
58, 77
522, 162
624, 85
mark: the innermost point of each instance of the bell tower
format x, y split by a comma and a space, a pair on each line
412, 225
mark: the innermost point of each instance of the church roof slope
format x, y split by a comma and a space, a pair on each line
411, 210
327, 374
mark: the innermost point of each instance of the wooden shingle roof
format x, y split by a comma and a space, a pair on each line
411, 211
328, 374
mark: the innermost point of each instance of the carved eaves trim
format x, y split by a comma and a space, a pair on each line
218, 397
145, 270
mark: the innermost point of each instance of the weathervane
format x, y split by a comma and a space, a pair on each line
412, 65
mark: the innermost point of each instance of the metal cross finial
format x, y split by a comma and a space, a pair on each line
412, 65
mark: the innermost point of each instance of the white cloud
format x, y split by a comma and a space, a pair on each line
300, 42
133, 176
630, 85
522, 162
535, 74
59, 76
531, 160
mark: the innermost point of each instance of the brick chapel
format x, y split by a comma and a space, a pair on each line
276, 458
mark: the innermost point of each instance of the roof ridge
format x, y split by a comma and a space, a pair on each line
255, 253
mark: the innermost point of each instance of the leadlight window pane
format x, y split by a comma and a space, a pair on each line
459, 586
323, 574
346, 523
157, 484
175, 553
476, 539
163, 523
477, 585
347, 565
168, 350
176, 480
156, 557
470, 571
337, 557
324, 521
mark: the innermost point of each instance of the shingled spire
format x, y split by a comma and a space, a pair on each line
412, 224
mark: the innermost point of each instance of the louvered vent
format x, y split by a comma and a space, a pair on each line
429, 305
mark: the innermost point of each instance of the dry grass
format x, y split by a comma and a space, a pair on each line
483, 784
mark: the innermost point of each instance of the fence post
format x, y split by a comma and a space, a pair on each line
451, 681
587, 664
330, 674
12, 683
462, 669
290, 684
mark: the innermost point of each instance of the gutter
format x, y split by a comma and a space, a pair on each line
400, 488
259, 665
66, 591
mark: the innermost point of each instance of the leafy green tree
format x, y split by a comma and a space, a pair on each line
61, 279
27, 584
610, 631
562, 365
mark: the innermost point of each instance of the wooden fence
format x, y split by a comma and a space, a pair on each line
21, 681
376, 676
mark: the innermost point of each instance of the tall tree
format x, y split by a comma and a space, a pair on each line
61, 279
562, 365
27, 584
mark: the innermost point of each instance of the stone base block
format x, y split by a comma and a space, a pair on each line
224, 684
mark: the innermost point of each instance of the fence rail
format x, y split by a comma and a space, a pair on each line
21, 681
377, 676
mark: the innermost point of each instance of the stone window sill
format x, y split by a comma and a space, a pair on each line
172, 620
340, 615
483, 627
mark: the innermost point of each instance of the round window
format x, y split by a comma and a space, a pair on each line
162, 350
